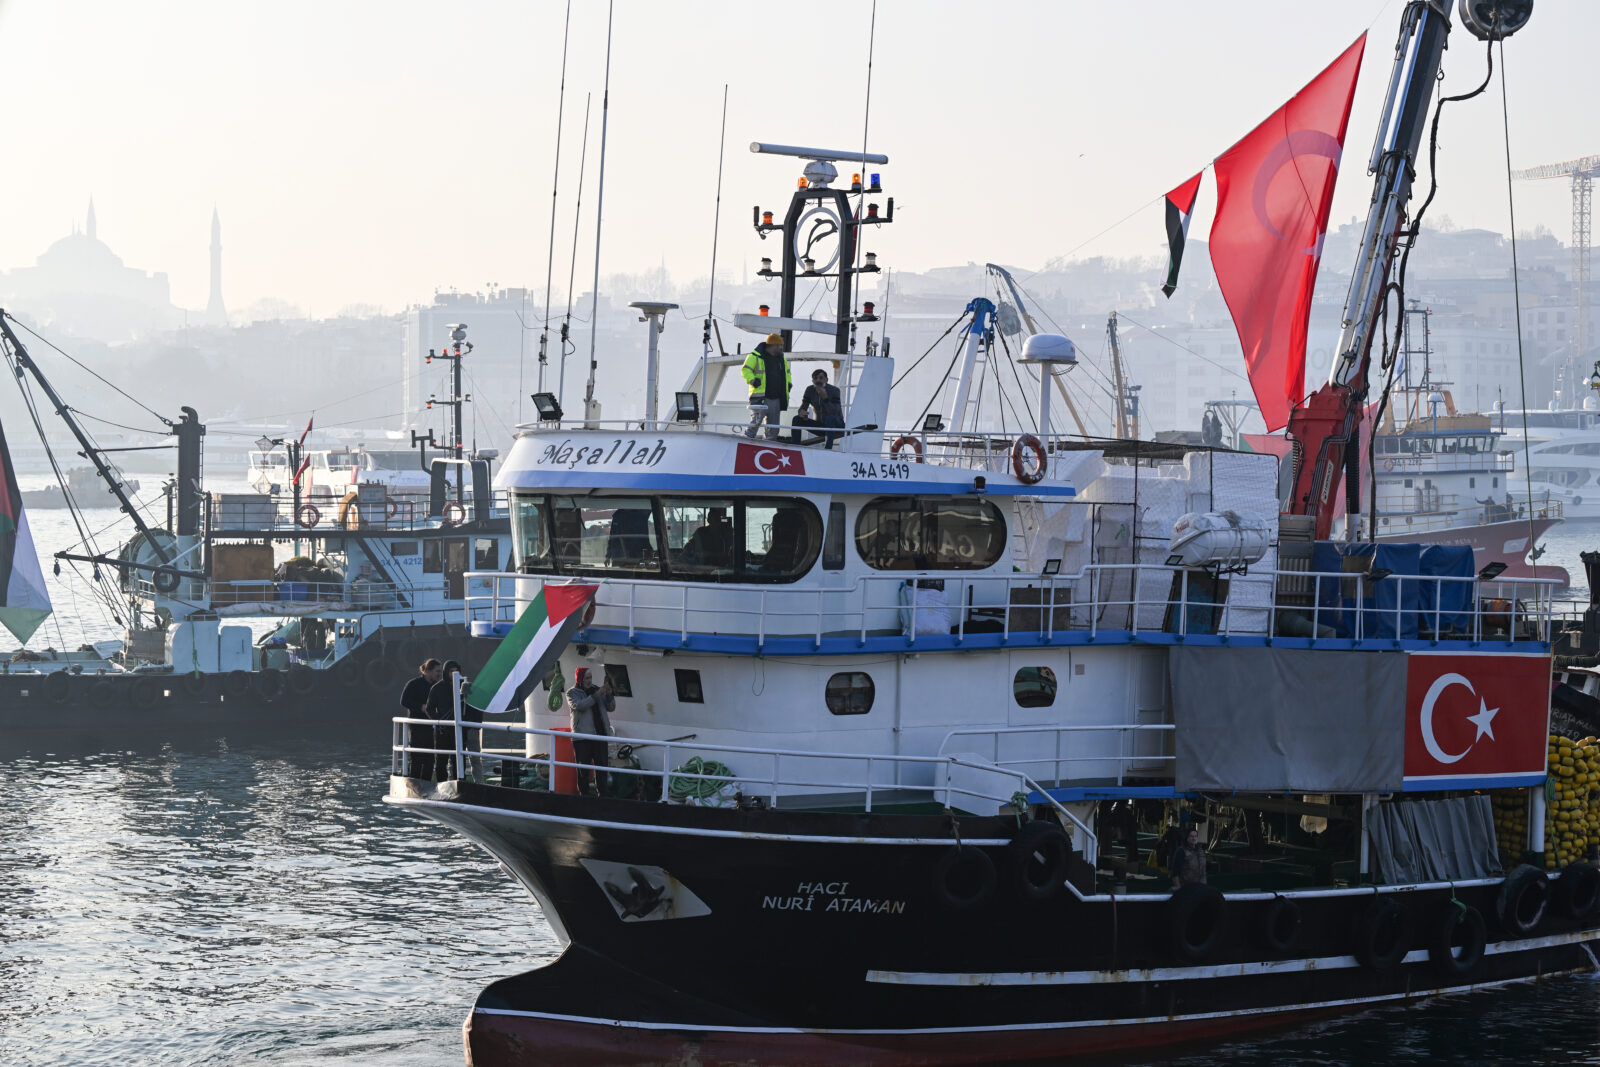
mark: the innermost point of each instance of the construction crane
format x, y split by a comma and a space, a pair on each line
1583, 173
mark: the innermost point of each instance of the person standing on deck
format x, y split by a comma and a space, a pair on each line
590, 707
766, 372
413, 705
1189, 862
441, 708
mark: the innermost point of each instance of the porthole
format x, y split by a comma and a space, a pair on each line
1034, 687
850, 693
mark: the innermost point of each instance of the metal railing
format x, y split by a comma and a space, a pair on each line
1140, 598
1442, 462
1055, 765
399, 512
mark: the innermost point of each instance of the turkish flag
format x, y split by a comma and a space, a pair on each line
1475, 716
1274, 189
764, 459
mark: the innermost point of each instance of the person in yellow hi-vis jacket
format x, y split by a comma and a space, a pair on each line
766, 371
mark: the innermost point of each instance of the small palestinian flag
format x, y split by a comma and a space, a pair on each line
527, 653
1180, 206
24, 599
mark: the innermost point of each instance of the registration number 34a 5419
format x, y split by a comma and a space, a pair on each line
883, 469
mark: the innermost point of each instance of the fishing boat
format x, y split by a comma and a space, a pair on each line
80, 481
246, 611
903, 730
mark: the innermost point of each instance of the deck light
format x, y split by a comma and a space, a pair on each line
933, 422
811, 265
766, 218
874, 186
1491, 571
803, 183
1052, 566
872, 211
872, 259
549, 407
868, 307
688, 405
766, 264
1174, 560
855, 183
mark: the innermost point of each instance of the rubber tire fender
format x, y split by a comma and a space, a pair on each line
269, 684
195, 686
1441, 940
57, 687
102, 694
1196, 914
145, 694
378, 675
964, 878
301, 680
349, 672
165, 580
1524, 898
1383, 935
1280, 925
236, 684
1038, 859
1577, 892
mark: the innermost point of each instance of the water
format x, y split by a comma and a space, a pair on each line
261, 906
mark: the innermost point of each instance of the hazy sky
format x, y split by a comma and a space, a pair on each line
369, 152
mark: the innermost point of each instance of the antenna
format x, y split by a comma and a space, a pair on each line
716, 228
572, 268
555, 186
599, 217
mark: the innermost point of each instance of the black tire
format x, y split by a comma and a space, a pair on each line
1383, 935
195, 686
102, 694
165, 580
57, 687
1196, 914
1280, 925
1457, 941
349, 672
405, 653
1038, 859
302, 680
964, 878
145, 694
269, 684
378, 675
1524, 898
236, 684
1577, 891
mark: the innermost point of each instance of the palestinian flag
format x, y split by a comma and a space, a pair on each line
527, 653
24, 600
1180, 206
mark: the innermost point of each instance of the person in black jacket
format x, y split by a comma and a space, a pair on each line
823, 402
441, 707
413, 702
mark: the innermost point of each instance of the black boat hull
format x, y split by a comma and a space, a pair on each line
793, 937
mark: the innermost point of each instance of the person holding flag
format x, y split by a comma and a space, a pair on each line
590, 707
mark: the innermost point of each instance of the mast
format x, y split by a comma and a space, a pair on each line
90, 452
599, 217
1116, 378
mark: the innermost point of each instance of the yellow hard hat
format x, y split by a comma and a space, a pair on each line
774, 338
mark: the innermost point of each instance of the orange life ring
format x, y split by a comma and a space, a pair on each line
902, 441
1028, 443
454, 514
1388, 464
307, 515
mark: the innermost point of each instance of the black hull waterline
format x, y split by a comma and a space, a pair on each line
805, 938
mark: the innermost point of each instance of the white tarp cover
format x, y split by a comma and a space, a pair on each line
1270, 720
1433, 840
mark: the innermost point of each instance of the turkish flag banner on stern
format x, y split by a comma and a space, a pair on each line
1274, 190
1483, 718
764, 459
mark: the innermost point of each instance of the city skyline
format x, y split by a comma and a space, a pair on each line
354, 165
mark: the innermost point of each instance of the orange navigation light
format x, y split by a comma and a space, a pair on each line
855, 183
803, 182
764, 310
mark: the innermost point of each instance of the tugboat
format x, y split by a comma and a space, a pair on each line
256, 611
903, 733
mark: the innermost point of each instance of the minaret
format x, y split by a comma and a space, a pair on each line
216, 313
91, 219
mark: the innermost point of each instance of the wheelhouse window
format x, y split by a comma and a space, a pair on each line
530, 531
605, 536
930, 533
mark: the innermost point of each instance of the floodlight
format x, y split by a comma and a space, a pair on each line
688, 405
549, 407
1491, 571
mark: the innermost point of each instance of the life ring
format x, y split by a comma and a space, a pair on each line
57, 687
144, 694
1577, 891
269, 684
165, 580
1457, 940
195, 685
964, 878
1524, 895
1028, 443
302, 680
102, 694
394, 509
1196, 915
1383, 937
454, 514
236, 684
1039, 858
588, 615
1388, 464
378, 675
1280, 925
308, 515
902, 441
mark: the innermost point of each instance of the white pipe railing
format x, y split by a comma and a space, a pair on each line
1123, 759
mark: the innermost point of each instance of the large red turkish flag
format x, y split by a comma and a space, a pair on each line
1274, 189
1477, 720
